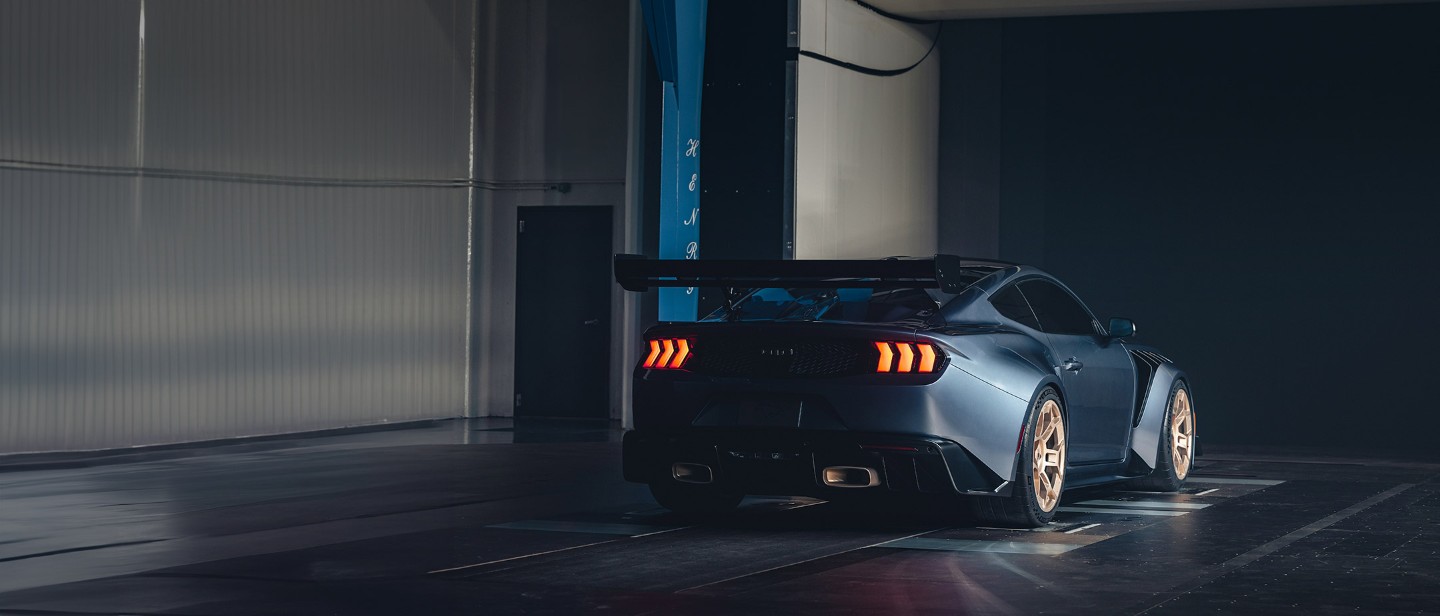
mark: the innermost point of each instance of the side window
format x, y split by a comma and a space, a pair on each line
1059, 312
1010, 303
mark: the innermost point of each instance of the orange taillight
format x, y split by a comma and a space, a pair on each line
681, 354
667, 354
927, 357
886, 357
907, 357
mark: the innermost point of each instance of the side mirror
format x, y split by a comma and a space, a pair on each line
1121, 327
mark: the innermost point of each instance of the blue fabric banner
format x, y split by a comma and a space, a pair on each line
677, 36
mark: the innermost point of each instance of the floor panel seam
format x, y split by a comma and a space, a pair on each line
933, 530
1275, 545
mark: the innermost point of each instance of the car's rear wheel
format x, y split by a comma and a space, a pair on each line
1036, 494
693, 499
1176, 457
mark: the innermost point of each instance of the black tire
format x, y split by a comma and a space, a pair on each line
1165, 478
1022, 509
691, 499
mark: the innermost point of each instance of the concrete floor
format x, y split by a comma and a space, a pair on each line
487, 517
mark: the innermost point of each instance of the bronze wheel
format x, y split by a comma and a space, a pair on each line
1182, 434
1047, 467
1040, 469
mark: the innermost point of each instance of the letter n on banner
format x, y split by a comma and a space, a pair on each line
677, 37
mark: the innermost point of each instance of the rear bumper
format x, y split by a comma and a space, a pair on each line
952, 406
792, 461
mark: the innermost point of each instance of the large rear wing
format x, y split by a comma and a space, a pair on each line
949, 273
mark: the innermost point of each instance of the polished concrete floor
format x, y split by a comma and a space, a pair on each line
490, 517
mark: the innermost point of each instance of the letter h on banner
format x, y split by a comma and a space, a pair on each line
677, 38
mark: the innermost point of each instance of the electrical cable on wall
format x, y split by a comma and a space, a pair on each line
283, 180
876, 72
888, 15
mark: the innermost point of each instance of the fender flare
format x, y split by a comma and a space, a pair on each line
1145, 437
1049, 381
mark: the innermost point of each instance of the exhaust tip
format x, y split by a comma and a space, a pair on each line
850, 477
686, 472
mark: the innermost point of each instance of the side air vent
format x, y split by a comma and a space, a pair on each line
1146, 362
1151, 356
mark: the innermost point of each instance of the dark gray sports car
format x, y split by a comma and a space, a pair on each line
949, 377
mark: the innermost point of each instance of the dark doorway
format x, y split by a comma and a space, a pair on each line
562, 312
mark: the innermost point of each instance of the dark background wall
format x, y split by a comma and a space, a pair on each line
1258, 189
743, 130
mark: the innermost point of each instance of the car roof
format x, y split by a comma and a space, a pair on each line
995, 274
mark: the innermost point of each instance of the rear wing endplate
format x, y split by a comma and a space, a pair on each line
638, 273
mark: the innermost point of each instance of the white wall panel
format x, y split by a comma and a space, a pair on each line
866, 146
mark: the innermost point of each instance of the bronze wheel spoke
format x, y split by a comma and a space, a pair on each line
1048, 456
1182, 430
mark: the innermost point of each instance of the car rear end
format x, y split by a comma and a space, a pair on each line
800, 408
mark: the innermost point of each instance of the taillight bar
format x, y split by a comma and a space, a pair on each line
906, 357
667, 354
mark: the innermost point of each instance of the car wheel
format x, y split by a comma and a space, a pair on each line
1036, 494
1176, 457
693, 499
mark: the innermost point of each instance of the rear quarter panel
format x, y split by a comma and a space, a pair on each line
1003, 372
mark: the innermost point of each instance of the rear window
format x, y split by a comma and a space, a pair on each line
830, 304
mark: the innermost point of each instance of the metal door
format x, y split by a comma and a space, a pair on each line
562, 312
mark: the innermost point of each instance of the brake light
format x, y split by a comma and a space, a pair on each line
913, 357
907, 357
680, 355
886, 357
927, 358
667, 354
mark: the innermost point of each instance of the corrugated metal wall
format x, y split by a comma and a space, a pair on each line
230, 218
